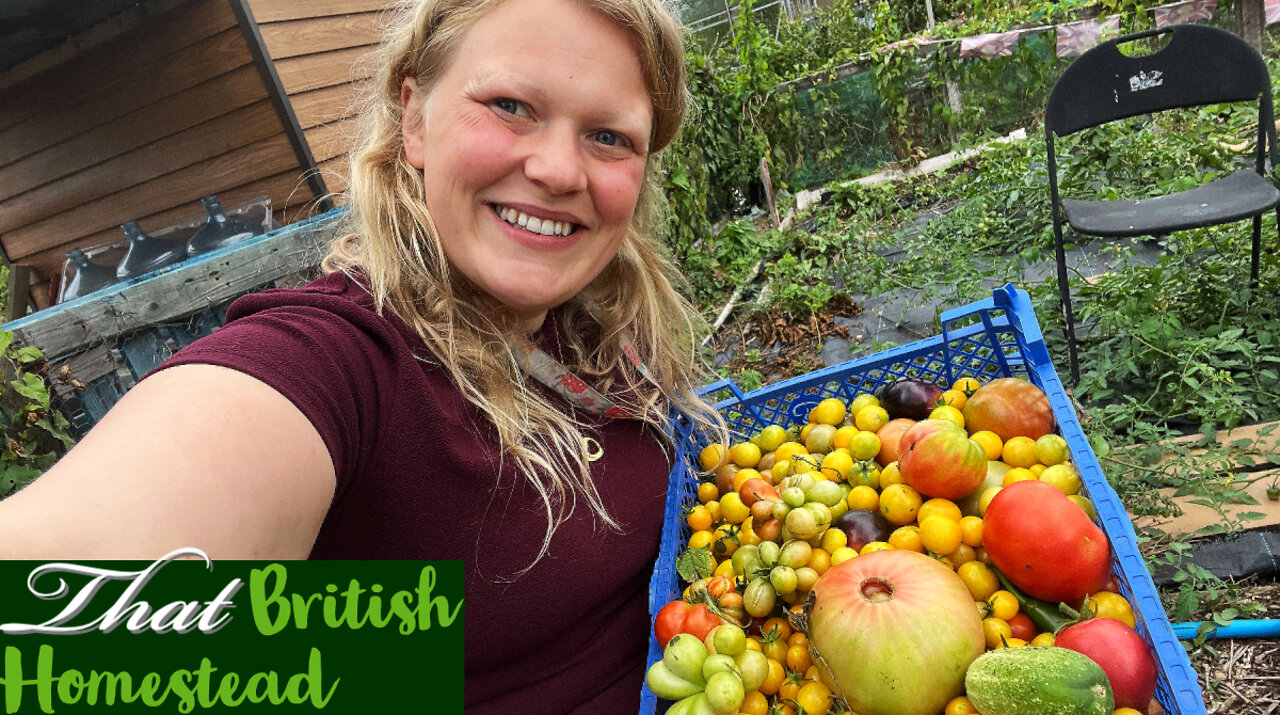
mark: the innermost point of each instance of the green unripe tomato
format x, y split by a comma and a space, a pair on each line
754, 667
729, 639
783, 579
725, 693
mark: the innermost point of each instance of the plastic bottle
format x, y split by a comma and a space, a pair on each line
219, 231
86, 278
147, 253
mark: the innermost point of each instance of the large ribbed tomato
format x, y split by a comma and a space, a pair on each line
1010, 407
1044, 543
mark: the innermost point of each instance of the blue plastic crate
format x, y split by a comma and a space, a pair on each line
998, 337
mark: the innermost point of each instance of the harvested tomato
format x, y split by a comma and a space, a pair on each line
1044, 543
1022, 627
680, 617
1121, 652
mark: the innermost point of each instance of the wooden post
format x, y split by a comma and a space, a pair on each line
19, 292
1251, 21
768, 191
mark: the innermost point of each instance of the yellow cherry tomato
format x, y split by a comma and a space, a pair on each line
1112, 605
960, 705
890, 475
707, 491
1003, 605
699, 518
899, 503
830, 411
939, 507
871, 418
996, 632
814, 698
841, 555
1019, 452
711, 457
949, 414
967, 385
940, 534
862, 497
979, 579
1042, 640
990, 443
954, 398
971, 531
873, 546
907, 538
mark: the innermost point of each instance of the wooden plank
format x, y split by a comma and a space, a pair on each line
325, 105
134, 94
265, 158
268, 11
227, 133
154, 30
326, 69
285, 189
320, 34
19, 295
330, 140
85, 366
181, 290
184, 110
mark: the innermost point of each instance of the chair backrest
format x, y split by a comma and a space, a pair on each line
1200, 65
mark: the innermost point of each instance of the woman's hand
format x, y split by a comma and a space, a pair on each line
195, 455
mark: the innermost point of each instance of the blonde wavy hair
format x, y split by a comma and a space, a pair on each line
392, 241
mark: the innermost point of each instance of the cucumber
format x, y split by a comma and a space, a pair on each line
1038, 681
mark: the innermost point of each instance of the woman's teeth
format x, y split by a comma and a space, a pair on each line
533, 224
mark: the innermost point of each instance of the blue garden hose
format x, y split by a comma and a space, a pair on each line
1259, 628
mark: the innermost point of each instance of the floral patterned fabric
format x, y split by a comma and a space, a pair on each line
552, 373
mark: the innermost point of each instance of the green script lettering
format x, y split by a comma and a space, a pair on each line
13, 683
261, 603
426, 584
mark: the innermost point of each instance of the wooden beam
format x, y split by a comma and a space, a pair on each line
186, 288
280, 99
19, 296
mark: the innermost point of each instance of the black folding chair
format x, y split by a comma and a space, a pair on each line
1199, 65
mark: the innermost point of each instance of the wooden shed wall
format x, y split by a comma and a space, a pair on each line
139, 127
317, 48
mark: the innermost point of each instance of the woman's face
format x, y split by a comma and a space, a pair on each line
533, 145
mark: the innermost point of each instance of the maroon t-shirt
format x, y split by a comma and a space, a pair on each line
419, 477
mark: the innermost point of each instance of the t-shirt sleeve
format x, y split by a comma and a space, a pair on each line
327, 357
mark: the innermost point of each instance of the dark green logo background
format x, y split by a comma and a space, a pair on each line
371, 641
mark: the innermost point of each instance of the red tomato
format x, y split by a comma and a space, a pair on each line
669, 621
1121, 652
700, 621
1022, 627
1044, 543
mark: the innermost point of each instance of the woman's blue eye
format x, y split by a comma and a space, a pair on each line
508, 105
608, 138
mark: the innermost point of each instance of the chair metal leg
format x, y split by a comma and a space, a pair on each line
1064, 290
1257, 246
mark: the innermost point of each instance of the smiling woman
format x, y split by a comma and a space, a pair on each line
534, 143
484, 374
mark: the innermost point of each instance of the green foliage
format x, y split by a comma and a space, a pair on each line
35, 434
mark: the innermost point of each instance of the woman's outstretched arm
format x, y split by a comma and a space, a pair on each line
195, 455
